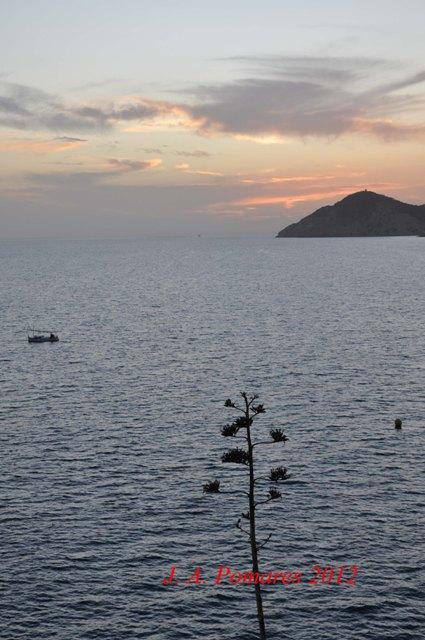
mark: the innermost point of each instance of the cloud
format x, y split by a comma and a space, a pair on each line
310, 96
269, 203
153, 150
28, 108
341, 69
36, 145
185, 168
273, 180
318, 98
389, 130
288, 201
410, 81
193, 154
285, 97
70, 139
124, 166
273, 205
200, 172
9, 105
19, 103
82, 179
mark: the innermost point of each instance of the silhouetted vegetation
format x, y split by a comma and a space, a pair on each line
242, 427
212, 487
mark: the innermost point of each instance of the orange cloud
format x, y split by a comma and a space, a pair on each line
185, 168
251, 203
199, 172
281, 180
261, 139
41, 146
125, 166
160, 116
290, 200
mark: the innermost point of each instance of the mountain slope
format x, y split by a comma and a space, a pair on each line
364, 213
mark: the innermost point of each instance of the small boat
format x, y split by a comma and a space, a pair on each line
52, 337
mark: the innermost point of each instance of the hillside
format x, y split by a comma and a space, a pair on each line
364, 213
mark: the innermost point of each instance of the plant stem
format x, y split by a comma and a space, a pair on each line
254, 550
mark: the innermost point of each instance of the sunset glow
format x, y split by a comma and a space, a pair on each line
191, 133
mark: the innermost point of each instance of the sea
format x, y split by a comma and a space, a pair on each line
108, 436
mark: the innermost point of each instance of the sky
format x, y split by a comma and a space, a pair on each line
186, 117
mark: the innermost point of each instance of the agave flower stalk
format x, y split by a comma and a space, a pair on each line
245, 456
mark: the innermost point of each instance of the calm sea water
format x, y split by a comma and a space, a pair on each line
107, 437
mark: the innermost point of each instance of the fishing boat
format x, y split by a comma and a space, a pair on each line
39, 336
